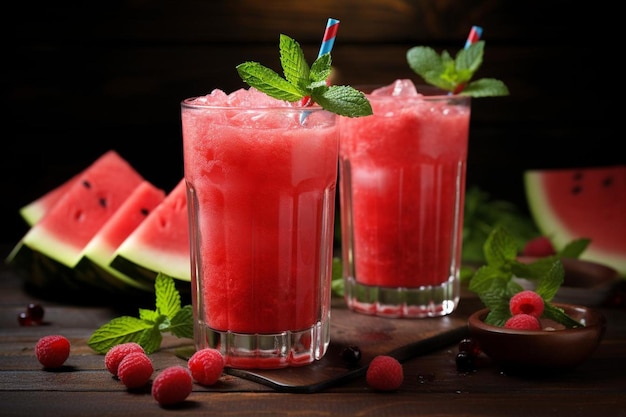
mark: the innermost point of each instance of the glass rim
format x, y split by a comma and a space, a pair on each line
294, 107
427, 91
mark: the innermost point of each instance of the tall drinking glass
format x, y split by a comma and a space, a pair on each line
402, 190
261, 194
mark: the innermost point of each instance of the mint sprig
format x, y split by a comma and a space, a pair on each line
302, 81
455, 74
146, 330
494, 284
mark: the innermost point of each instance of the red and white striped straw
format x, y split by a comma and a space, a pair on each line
474, 36
330, 33
329, 36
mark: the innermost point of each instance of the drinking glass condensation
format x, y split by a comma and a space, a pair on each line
261, 180
402, 190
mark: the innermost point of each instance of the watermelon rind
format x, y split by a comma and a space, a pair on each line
90, 201
160, 243
55, 281
601, 213
35, 210
98, 253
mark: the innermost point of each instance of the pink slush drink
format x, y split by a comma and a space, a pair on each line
261, 190
402, 193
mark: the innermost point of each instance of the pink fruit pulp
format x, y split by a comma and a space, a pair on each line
263, 200
406, 167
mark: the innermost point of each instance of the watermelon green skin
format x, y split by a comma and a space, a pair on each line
160, 243
569, 204
98, 253
51, 280
68, 226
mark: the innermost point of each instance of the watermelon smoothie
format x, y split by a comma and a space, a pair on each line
261, 195
402, 188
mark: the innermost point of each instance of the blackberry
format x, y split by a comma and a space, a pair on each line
32, 316
35, 312
465, 361
470, 346
351, 354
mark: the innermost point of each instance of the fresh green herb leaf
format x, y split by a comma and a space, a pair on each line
269, 82
337, 280
574, 248
482, 214
494, 284
147, 329
455, 74
302, 81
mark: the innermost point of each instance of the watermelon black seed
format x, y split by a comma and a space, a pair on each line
103, 202
87, 184
144, 211
607, 182
577, 189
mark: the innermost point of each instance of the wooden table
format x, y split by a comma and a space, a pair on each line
432, 384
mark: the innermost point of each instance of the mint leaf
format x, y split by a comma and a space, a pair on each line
336, 284
486, 277
295, 67
500, 248
119, 330
549, 283
557, 314
303, 81
485, 87
179, 325
342, 100
494, 284
454, 74
150, 340
269, 82
574, 248
147, 329
167, 296
320, 71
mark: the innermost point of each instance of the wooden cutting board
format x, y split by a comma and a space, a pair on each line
400, 338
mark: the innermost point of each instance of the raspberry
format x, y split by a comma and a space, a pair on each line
526, 302
539, 246
52, 351
523, 322
173, 385
206, 366
384, 373
135, 370
115, 355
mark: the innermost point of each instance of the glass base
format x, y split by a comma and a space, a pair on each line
266, 351
420, 302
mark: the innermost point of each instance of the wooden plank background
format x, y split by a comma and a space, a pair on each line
80, 78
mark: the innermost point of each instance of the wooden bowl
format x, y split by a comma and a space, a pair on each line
585, 282
540, 351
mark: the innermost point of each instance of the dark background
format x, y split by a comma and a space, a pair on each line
80, 78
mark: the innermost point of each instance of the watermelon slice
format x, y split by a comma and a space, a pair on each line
35, 210
98, 253
160, 243
569, 204
66, 228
